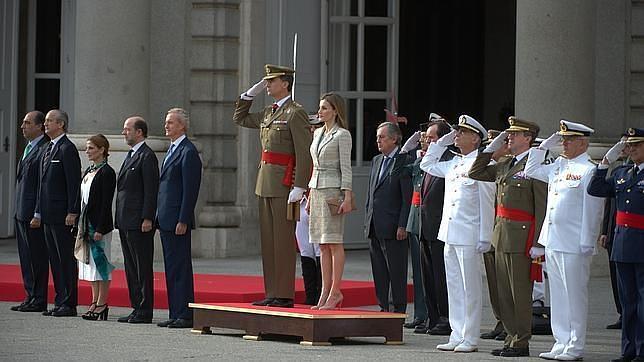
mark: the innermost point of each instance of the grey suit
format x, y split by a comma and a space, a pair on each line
387, 209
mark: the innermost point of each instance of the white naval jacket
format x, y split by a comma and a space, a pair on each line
573, 217
468, 210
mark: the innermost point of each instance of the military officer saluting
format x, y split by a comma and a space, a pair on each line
626, 185
520, 209
569, 234
282, 178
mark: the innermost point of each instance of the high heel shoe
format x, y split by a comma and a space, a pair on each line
102, 315
334, 301
321, 302
90, 309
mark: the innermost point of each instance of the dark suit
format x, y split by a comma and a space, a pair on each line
99, 203
136, 199
31, 242
387, 209
432, 261
627, 188
178, 190
58, 196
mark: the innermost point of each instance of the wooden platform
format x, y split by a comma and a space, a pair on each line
316, 327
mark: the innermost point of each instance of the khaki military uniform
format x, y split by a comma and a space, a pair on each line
284, 133
525, 195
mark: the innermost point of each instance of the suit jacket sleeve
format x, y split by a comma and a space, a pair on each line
345, 160
301, 134
405, 192
106, 188
242, 118
150, 185
72, 177
191, 164
600, 186
481, 169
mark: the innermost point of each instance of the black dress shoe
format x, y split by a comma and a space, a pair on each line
18, 308
498, 351
421, 329
281, 303
181, 323
490, 335
127, 317
166, 323
501, 336
516, 352
440, 330
263, 302
64, 312
140, 319
33, 307
415, 323
50, 311
616, 325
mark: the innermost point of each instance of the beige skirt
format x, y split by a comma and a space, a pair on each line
324, 228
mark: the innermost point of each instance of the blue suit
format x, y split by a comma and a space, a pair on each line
58, 196
627, 188
31, 242
178, 191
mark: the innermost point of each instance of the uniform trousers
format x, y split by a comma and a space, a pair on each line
64, 267
515, 297
489, 261
568, 277
630, 279
33, 262
420, 309
539, 288
278, 248
464, 295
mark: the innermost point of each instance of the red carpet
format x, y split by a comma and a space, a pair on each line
209, 288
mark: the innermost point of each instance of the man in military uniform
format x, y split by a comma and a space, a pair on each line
569, 233
520, 208
466, 227
282, 178
626, 185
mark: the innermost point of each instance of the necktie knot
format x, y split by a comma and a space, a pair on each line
27, 150
274, 107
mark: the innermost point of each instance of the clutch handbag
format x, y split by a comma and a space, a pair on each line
334, 204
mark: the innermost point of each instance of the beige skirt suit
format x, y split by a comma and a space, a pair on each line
331, 154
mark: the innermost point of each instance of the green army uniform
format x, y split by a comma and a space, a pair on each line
284, 133
516, 194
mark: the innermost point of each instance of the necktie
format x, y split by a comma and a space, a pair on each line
274, 108
129, 155
383, 168
167, 155
513, 162
27, 150
45, 160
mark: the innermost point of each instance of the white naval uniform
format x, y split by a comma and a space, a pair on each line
468, 217
573, 219
302, 233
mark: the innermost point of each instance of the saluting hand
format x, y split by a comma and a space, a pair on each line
447, 139
550, 142
256, 89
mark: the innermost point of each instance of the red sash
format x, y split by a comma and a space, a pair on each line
415, 198
630, 220
282, 159
520, 215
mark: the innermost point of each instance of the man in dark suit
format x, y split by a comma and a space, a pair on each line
178, 191
31, 241
136, 203
57, 207
387, 211
626, 185
432, 261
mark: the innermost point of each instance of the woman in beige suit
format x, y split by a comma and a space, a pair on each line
330, 185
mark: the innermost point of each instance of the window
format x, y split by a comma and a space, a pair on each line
360, 47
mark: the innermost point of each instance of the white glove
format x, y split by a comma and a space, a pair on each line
296, 194
496, 143
483, 246
550, 142
587, 250
536, 252
613, 154
447, 139
411, 143
256, 89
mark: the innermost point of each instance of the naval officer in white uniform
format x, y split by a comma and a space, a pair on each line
569, 233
